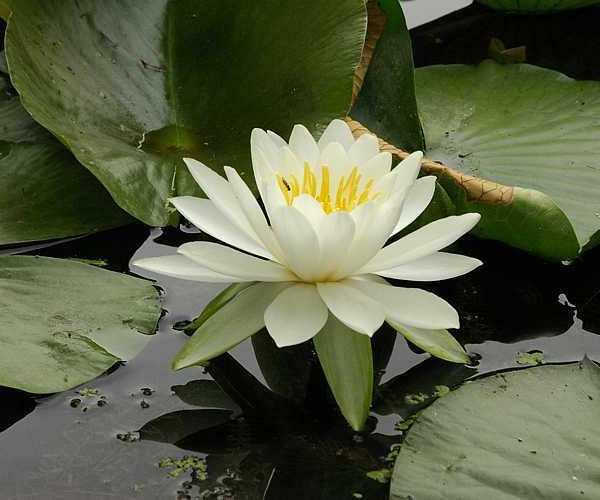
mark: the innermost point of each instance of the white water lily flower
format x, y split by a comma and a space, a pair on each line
331, 206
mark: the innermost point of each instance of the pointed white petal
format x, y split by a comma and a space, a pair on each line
408, 170
417, 199
304, 146
220, 193
377, 167
290, 164
376, 229
410, 306
208, 218
276, 139
336, 233
337, 131
259, 139
424, 241
179, 266
352, 307
434, 267
254, 214
335, 157
365, 148
298, 240
225, 260
296, 315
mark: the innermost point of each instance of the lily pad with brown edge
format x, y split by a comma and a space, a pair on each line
63, 323
132, 87
518, 144
530, 433
537, 6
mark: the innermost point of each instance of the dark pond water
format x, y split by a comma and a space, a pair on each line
143, 431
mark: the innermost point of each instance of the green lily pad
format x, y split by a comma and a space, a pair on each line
524, 434
132, 89
44, 192
64, 323
533, 6
524, 141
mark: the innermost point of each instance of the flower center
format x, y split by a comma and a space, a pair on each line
347, 196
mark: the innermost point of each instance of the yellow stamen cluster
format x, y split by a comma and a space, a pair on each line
348, 195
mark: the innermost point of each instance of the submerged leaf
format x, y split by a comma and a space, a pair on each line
64, 323
131, 88
524, 434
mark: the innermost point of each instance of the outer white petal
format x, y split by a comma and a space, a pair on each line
254, 214
296, 315
336, 233
352, 307
337, 131
377, 167
225, 260
273, 197
262, 165
219, 191
417, 199
434, 267
208, 218
304, 146
259, 139
298, 240
365, 148
410, 306
179, 266
424, 241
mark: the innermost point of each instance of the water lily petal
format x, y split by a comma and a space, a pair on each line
304, 146
377, 167
290, 164
408, 170
225, 260
298, 240
352, 307
208, 218
310, 208
179, 266
434, 267
376, 225
220, 193
417, 199
337, 131
365, 148
424, 241
254, 214
336, 233
276, 139
335, 157
410, 306
296, 315
259, 139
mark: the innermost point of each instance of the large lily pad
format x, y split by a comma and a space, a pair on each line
44, 192
525, 144
64, 323
524, 434
533, 6
132, 88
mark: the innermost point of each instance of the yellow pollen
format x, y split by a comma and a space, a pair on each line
347, 195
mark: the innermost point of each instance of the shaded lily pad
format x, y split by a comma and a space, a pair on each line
525, 434
533, 6
131, 89
524, 141
45, 193
64, 323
